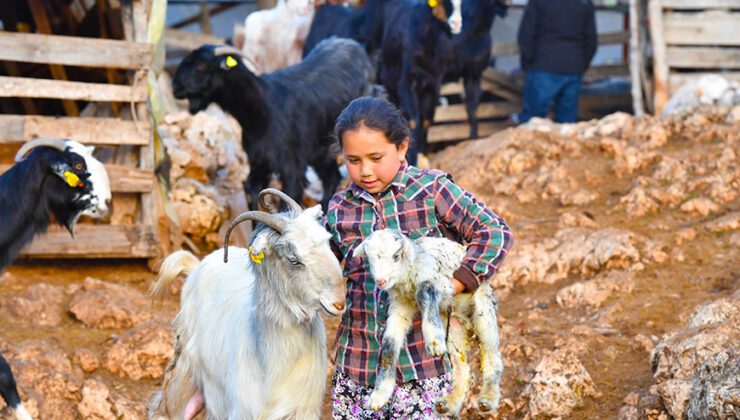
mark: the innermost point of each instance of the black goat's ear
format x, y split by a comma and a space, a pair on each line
64, 171
228, 62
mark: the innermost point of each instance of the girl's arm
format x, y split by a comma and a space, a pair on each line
487, 236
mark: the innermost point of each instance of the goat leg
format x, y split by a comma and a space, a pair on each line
459, 346
492, 365
400, 319
428, 301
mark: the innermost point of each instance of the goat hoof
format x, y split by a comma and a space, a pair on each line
484, 406
441, 407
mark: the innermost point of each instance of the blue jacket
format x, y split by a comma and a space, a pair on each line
558, 36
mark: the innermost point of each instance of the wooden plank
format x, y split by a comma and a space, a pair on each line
189, 40
511, 48
451, 89
123, 179
95, 241
97, 131
598, 4
485, 110
461, 131
701, 4
607, 70
73, 51
635, 59
660, 63
676, 80
703, 57
24, 87
705, 28
42, 25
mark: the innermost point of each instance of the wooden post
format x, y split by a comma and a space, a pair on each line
660, 65
635, 59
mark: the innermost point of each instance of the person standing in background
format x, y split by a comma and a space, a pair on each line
557, 40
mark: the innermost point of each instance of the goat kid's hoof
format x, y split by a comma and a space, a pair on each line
485, 406
441, 407
436, 348
377, 401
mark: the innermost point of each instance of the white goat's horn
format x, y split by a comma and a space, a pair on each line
51, 142
270, 220
285, 197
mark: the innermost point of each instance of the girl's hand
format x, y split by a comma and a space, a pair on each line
457, 286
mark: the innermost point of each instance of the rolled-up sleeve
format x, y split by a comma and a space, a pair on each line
488, 238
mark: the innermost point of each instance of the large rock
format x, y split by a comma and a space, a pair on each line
142, 352
677, 359
715, 393
595, 292
38, 305
560, 384
100, 304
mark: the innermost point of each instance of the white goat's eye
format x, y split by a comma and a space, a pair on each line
294, 261
395, 257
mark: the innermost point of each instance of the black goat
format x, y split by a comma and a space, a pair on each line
416, 46
363, 24
59, 177
287, 116
9, 391
472, 51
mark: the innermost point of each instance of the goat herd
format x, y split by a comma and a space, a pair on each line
245, 336
403, 48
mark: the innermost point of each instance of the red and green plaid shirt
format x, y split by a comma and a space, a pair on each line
419, 203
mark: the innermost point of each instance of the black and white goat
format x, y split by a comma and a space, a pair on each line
9, 391
416, 46
472, 51
249, 334
287, 116
59, 178
416, 274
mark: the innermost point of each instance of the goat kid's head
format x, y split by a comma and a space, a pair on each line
389, 253
449, 12
200, 75
81, 175
292, 248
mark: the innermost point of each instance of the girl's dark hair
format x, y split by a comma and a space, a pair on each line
374, 113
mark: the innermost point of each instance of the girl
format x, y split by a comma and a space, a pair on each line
388, 193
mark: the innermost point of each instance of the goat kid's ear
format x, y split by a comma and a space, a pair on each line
359, 251
64, 171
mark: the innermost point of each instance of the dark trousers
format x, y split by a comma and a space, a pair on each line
543, 88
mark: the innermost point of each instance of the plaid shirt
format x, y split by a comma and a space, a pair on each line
419, 203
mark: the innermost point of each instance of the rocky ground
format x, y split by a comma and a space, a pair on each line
620, 299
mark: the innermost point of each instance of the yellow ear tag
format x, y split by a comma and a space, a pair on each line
433, 3
72, 179
231, 61
257, 258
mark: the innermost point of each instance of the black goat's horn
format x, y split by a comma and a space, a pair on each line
285, 197
228, 49
270, 220
50, 142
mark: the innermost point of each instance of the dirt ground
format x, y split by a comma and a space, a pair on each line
640, 215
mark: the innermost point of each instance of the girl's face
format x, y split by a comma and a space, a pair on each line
372, 159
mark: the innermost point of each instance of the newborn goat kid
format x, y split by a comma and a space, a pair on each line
416, 274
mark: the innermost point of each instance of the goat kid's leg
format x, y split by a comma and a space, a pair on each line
428, 301
485, 324
459, 346
400, 319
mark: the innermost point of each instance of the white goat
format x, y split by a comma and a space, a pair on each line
416, 274
249, 336
274, 38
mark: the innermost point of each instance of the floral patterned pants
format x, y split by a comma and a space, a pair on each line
412, 400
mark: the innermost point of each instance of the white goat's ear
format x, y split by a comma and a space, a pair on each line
406, 247
260, 245
315, 212
359, 251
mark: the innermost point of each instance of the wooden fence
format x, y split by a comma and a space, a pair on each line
691, 38
132, 183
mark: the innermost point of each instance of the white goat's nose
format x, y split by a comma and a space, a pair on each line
380, 282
